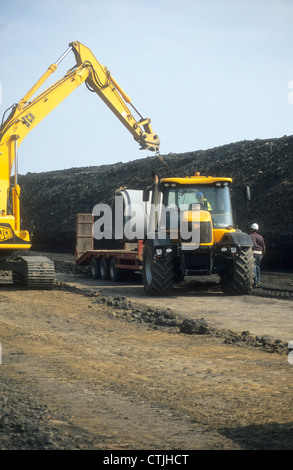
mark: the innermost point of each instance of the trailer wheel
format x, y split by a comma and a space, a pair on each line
157, 274
238, 277
115, 273
104, 269
95, 268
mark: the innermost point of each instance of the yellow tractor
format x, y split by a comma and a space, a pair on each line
192, 233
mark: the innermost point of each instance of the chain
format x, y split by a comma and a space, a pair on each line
159, 157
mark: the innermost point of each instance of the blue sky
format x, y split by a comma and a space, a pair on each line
207, 73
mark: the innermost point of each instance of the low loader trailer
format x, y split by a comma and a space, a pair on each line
105, 264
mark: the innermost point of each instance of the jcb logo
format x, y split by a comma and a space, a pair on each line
28, 119
5, 233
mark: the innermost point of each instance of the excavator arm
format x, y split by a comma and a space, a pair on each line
101, 81
26, 114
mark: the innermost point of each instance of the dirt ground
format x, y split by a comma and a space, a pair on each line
87, 369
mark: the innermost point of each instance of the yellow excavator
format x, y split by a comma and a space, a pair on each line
19, 120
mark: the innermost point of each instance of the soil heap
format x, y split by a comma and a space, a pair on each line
52, 199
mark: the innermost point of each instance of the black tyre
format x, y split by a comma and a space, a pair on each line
157, 274
239, 274
114, 272
95, 268
104, 269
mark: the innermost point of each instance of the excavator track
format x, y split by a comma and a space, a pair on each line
38, 272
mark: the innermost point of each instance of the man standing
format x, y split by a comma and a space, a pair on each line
259, 249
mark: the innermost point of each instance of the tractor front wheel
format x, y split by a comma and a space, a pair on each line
157, 273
